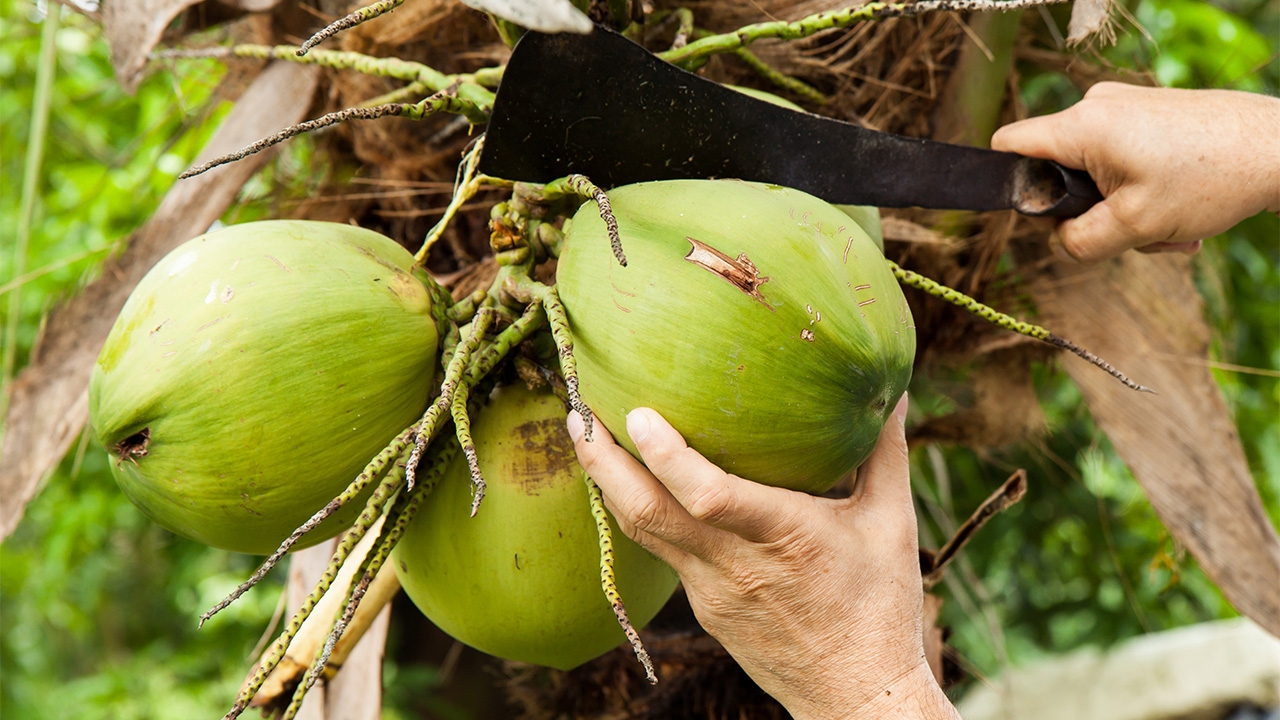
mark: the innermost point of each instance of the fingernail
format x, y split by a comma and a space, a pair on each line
574, 424
638, 425
900, 410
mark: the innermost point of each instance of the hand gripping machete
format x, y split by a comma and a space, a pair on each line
602, 106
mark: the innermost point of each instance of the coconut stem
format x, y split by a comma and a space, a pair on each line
684, 29
372, 510
780, 79
469, 86
465, 309
462, 427
432, 419
465, 186
372, 470
695, 53
579, 185
442, 306
558, 319
515, 333
991, 315
609, 581
364, 14
402, 511
407, 93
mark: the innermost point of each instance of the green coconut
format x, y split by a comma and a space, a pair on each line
762, 322
521, 579
254, 372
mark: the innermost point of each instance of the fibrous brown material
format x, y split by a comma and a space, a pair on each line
1143, 311
697, 679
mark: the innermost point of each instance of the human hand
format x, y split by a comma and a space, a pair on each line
818, 599
1175, 166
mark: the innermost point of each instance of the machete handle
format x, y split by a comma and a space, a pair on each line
1045, 188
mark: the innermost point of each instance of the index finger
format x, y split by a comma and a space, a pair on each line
750, 510
1049, 137
642, 505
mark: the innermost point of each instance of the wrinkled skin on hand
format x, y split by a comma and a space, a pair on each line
818, 599
1175, 166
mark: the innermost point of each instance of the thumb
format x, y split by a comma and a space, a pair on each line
1048, 136
886, 475
1097, 235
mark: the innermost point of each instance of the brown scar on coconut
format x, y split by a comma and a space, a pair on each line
132, 447
739, 271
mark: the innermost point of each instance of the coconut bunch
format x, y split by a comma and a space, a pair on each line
270, 385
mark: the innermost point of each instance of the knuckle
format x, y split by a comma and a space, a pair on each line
711, 503
1106, 88
646, 513
1140, 224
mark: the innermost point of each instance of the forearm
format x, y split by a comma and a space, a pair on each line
1258, 130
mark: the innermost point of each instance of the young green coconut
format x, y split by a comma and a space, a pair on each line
522, 579
762, 322
253, 373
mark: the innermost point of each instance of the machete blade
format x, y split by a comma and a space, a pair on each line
603, 106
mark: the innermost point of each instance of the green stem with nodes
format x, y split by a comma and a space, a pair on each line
696, 52
684, 29
441, 305
372, 470
609, 582
399, 516
465, 309
515, 333
372, 510
781, 80
407, 93
559, 322
991, 315
453, 376
465, 186
462, 427
467, 86
364, 14
579, 185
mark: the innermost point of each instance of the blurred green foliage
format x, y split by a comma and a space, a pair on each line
99, 605
1084, 560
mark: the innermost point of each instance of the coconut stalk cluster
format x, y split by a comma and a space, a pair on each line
754, 317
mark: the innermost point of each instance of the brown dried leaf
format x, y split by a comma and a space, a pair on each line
1090, 19
1143, 314
356, 692
49, 401
133, 28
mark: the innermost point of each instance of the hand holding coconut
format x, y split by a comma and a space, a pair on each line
818, 599
1175, 166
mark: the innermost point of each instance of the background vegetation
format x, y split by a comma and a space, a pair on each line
99, 604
